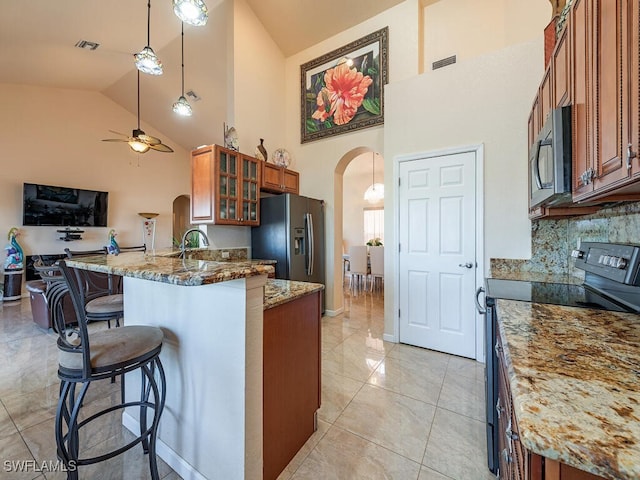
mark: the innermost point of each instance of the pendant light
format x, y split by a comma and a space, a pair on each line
146, 59
182, 107
193, 12
375, 192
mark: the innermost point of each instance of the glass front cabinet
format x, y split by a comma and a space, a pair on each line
224, 187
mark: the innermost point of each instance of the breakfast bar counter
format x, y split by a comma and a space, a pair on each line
574, 375
211, 314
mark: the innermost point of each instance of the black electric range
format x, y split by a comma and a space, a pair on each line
611, 282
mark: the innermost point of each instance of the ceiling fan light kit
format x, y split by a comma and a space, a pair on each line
193, 12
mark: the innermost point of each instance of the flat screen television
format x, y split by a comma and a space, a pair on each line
48, 205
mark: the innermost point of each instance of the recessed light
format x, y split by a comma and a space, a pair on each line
87, 44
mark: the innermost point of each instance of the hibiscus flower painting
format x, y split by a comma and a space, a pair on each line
342, 91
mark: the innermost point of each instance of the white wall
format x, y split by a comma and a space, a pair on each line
317, 161
485, 100
468, 28
258, 83
53, 136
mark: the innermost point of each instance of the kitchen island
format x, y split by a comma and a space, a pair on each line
212, 317
574, 381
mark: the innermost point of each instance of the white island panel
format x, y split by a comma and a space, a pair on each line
212, 354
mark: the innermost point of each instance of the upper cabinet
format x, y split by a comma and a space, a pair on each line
595, 69
605, 98
224, 187
279, 179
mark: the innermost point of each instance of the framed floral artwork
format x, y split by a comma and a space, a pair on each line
343, 90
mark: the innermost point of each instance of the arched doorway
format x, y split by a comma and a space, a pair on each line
362, 155
181, 217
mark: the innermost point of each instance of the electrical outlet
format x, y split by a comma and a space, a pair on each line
224, 254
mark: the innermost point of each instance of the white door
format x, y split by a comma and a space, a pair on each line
437, 257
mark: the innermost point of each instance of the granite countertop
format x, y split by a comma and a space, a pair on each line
536, 277
575, 380
169, 269
277, 292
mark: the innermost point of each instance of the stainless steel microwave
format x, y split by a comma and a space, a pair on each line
550, 161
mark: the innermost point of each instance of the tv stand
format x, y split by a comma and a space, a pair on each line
70, 235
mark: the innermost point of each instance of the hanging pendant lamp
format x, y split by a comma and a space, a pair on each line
182, 107
146, 59
193, 12
375, 192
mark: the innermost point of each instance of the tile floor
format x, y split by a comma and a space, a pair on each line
389, 411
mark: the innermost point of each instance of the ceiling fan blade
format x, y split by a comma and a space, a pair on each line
161, 147
115, 140
118, 133
149, 140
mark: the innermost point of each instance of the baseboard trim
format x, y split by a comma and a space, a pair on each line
388, 337
167, 454
334, 313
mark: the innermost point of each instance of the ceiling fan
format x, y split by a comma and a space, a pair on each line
139, 141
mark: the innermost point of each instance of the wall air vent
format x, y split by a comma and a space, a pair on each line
444, 62
192, 95
87, 45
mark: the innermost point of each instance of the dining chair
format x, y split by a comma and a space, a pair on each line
358, 266
376, 256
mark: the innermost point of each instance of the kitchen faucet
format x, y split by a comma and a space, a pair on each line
205, 239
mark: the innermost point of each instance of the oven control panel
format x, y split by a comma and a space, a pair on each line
615, 261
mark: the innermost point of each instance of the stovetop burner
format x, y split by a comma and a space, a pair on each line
570, 295
612, 281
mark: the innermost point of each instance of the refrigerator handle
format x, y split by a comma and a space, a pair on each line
310, 250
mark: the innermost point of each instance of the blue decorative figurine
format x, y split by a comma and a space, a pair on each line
113, 246
15, 255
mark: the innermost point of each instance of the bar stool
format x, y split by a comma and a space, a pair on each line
98, 291
88, 357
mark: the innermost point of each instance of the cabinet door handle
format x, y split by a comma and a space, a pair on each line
498, 349
499, 409
509, 432
630, 156
506, 456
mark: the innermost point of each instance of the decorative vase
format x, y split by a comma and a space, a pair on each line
261, 152
15, 255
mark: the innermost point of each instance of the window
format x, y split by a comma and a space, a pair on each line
373, 224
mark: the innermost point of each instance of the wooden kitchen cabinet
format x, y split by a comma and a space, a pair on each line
560, 70
605, 100
279, 179
546, 97
224, 187
291, 377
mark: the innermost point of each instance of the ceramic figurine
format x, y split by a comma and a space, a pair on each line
261, 152
15, 255
113, 246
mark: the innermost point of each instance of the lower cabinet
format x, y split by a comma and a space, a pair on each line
291, 379
516, 462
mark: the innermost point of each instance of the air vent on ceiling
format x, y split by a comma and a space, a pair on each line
192, 95
87, 44
444, 62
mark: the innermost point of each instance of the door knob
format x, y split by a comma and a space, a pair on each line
466, 265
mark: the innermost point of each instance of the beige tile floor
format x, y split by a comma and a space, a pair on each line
389, 411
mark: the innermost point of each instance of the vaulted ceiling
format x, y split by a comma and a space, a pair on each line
38, 38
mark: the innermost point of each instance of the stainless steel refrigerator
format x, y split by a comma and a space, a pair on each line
291, 232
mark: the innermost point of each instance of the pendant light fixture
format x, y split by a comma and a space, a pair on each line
193, 12
182, 107
375, 192
146, 59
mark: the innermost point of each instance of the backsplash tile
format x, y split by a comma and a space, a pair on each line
553, 240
